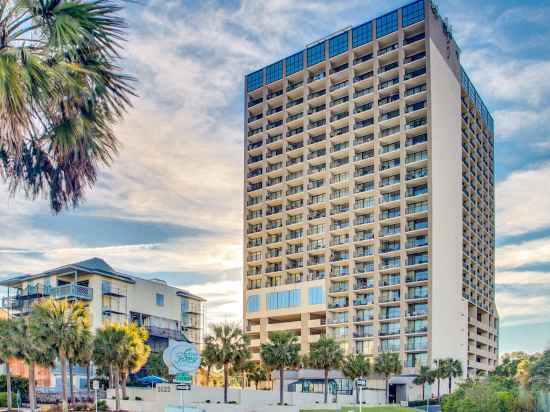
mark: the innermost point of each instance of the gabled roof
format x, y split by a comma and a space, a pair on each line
93, 265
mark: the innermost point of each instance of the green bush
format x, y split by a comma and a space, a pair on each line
4, 399
17, 383
102, 406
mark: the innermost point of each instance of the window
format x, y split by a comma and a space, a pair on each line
254, 80
294, 63
315, 54
159, 299
361, 34
253, 303
412, 13
274, 72
283, 300
316, 295
386, 24
184, 305
338, 44
105, 286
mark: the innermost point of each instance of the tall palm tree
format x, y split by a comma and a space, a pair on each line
425, 376
387, 364
208, 357
326, 354
8, 349
61, 92
232, 348
356, 366
281, 352
62, 323
453, 370
135, 354
32, 349
440, 372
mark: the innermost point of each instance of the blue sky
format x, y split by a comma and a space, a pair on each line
170, 207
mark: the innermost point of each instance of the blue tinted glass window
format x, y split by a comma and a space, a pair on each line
294, 63
338, 44
283, 300
274, 72
254, 80
294, 298
272, 301
316, 295
361, 34
412, 13
316, 54
253, 303
386, 24
159, 299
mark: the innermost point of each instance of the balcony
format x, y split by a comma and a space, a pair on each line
414, 73
274, 138
254, 118
414, 57
338, 101
254, 102
389, 115
274, 110
415, 90
388, 99
363, 58
274, 94
293, 86
338, 116
72, 291
388, 49
317, 76
388, 83
413, 39
318, 93
416, 123
339, 86
363, 139
340, 131
292, 103
388, 67
363, 92
272, 125
317, 139
363, 123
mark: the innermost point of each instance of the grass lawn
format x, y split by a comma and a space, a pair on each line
365, 409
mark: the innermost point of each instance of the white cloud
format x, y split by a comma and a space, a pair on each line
524, 310
522, 203
510, 123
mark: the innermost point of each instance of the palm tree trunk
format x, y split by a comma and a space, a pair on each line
450, 384
63, 361
8, 385
32, 393
71, 382
387, 390
124, 385
117, 388
225, 381
208, 375
281, 385
88, 393
326, 385
423, 391
438, 394
111, 377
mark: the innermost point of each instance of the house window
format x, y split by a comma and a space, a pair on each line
338, 44
386, 24
253, 303
316, 54
254, 80
274, 72
316, 295
361, 34
413, 13
294, 63
159, 298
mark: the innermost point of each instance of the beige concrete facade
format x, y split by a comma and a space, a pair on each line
370, 175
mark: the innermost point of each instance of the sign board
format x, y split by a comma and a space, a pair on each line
95, 385
183, 378
183, 387
361, 382
181, 357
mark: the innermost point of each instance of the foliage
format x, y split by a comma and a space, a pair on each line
4, 399
209, 357
8, 349
356, 366
61, 92
231, 348
156, 366
280, 353
326, 354
425, 376
540, 372
387, 364
258, 374
17, 384
487, 396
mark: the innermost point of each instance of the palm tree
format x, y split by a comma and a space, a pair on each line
110, 347
281, 352
62, 323
62, 93
135, 353
454, 370
208, 357
387, 364
32, 348
257, 375
426, 375
356, 366
79, 353
231, 348
440, 372
8, 349
326, 354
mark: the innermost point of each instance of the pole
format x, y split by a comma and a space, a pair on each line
95, 400
360, 398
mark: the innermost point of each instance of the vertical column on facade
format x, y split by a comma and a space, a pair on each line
304, 335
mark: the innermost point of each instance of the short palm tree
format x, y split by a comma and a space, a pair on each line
232, 348
387, 364
257, 375
61, 92
8, 349
326, 354
135, 354
425, 376
356, 366
62, 324
280, 353
208, 357
440, 372
32, 348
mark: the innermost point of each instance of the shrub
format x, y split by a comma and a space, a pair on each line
102, 406
138, 398
4, 399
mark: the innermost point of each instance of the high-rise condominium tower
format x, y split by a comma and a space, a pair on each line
369, 196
